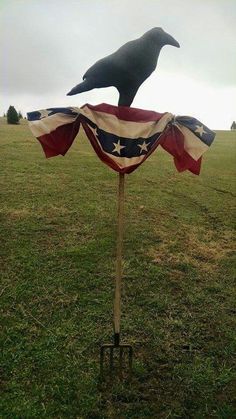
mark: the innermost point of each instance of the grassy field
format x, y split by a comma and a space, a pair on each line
58, 238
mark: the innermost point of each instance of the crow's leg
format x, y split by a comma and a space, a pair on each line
127, 96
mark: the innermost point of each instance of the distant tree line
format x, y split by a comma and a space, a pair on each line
13, 117
233, 126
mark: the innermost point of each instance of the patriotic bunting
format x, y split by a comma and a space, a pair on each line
123, 137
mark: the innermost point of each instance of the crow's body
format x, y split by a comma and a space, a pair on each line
128, 67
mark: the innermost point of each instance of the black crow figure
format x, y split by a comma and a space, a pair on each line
128, 67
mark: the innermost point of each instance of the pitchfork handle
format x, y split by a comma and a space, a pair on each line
120, 225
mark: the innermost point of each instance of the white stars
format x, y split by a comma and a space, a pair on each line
143, 147
118, 147
200, 130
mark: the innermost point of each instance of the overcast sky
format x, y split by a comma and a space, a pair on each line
47, 45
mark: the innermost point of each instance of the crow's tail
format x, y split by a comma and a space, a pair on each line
82, 87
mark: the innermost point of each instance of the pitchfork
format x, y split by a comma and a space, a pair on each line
121, 349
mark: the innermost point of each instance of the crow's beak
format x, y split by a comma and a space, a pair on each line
171, 41
175, 44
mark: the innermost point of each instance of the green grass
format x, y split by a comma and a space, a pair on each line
58, 240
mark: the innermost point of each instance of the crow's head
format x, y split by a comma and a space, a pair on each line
162, 38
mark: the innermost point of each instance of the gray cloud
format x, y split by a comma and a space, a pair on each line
47, 45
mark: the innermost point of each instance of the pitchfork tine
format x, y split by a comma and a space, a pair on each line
121, 358
111, 358
130, 357
101, 359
